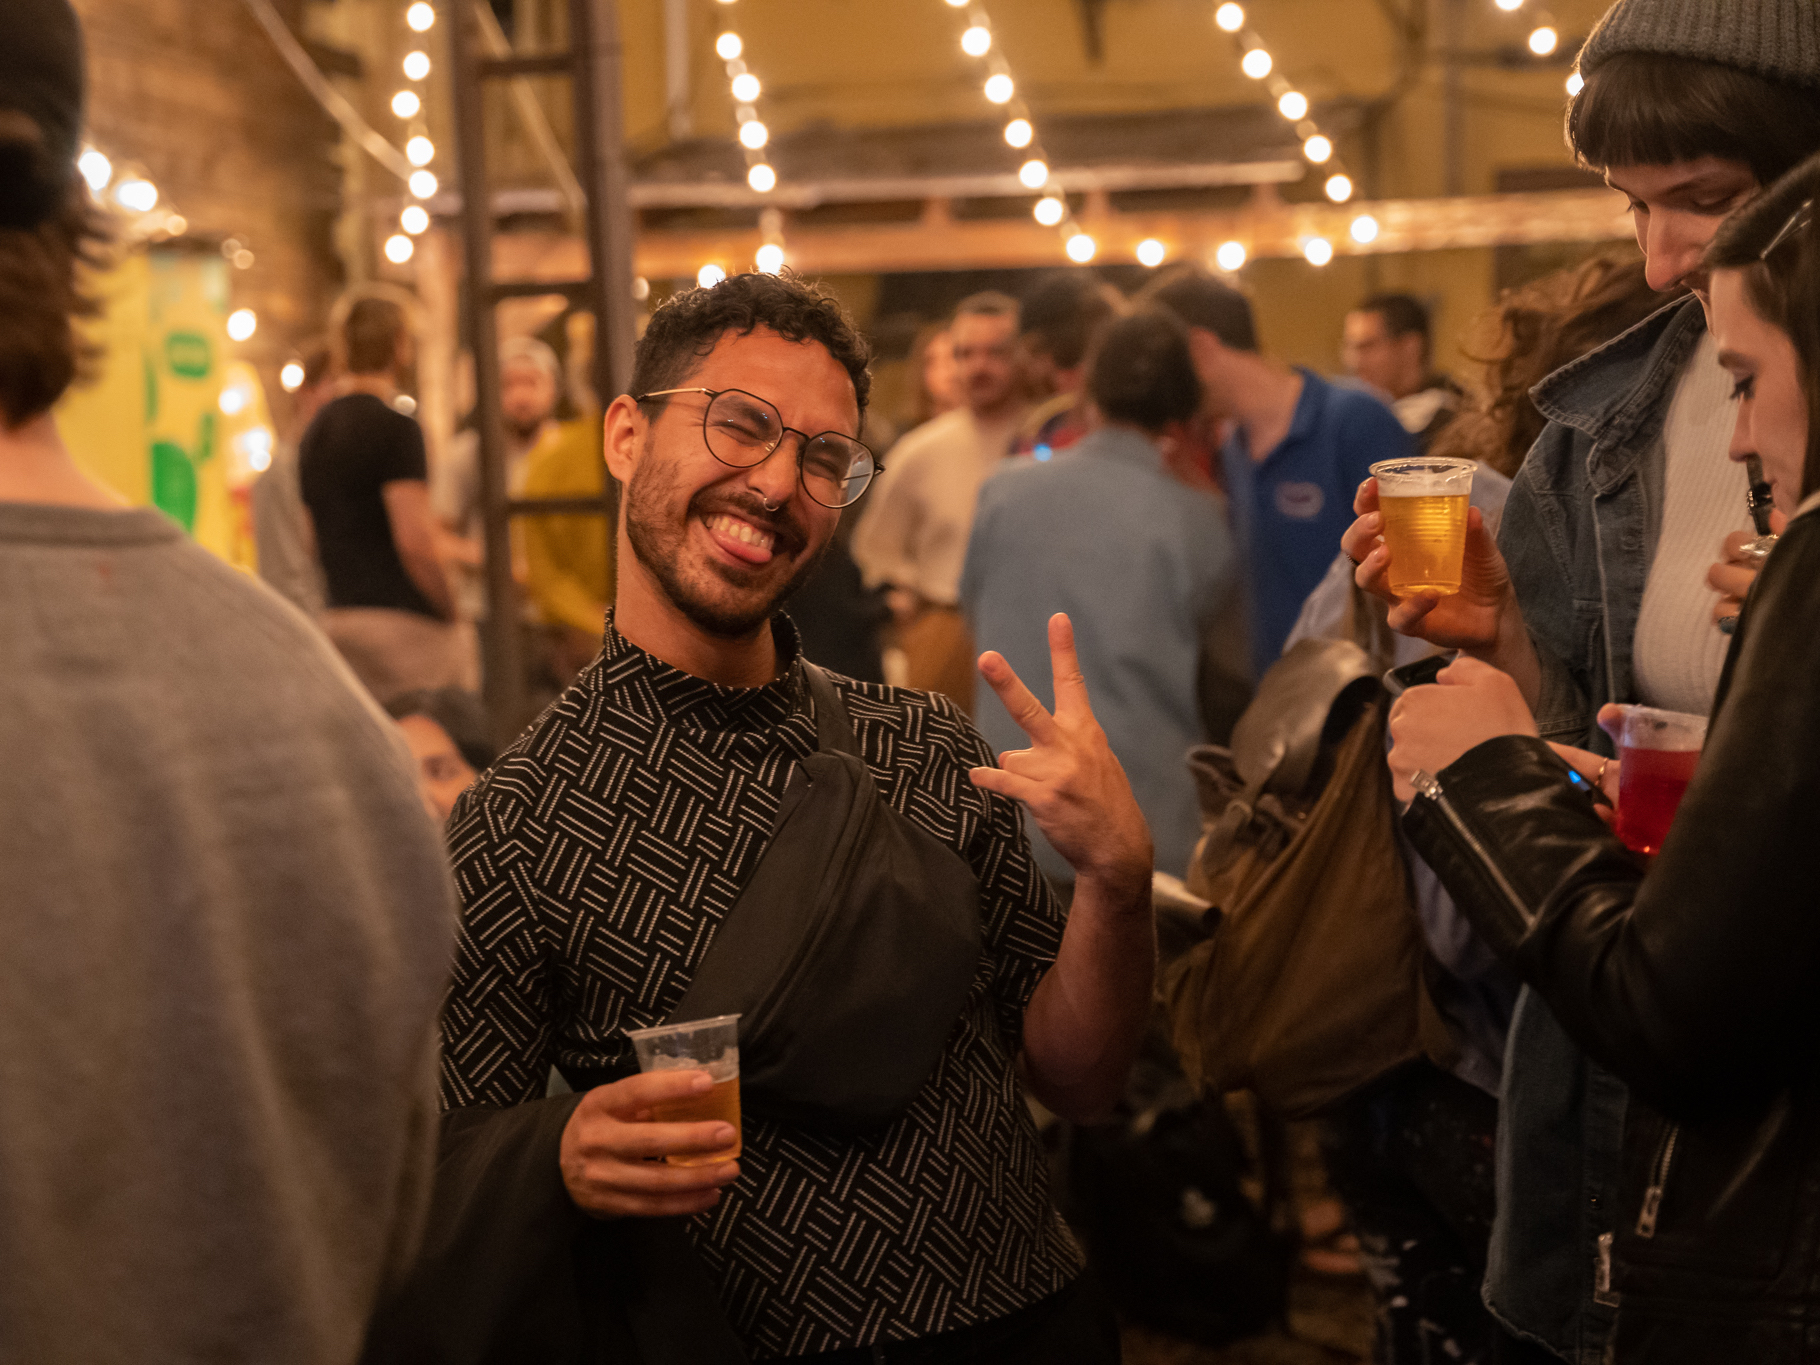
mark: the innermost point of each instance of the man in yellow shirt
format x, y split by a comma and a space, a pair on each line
568, 556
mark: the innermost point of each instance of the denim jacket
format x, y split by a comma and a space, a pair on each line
1579, 533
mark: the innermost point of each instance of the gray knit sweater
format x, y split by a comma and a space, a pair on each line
225, 923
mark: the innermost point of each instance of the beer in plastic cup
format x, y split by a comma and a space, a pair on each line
1424, 505
1659, 750
710, 1045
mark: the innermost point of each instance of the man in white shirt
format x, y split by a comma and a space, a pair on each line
912, 539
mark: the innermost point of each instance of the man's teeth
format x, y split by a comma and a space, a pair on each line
743, 531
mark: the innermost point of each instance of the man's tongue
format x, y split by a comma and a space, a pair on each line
740, 539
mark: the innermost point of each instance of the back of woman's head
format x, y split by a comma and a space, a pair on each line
1143, 372
1774, 240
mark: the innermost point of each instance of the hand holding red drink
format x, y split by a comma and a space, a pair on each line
1657, 754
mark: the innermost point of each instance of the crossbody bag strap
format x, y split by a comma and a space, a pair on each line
833, 728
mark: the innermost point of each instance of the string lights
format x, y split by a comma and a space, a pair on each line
1317, 147
1544, 38
746, 89
408, 106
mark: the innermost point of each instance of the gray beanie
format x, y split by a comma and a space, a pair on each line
1779, 39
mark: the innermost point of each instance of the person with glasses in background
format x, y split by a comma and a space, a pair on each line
601, 860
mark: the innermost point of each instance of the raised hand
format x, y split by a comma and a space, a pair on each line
612, 1153
1731, 577
1467, 620
1068, 779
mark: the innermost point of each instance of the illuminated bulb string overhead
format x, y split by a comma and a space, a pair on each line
745, 88
419, 150
1256, 62
1544, 37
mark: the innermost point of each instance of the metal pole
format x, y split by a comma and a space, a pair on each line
1453, 106
504, 655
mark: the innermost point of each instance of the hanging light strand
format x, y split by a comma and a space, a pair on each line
746, 89
999, 85
1293, 105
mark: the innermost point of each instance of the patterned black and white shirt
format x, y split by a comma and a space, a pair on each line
596, 860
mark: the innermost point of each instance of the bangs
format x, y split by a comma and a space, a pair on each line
1646, 109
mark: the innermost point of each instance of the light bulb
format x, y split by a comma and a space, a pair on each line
416, 65
291, 376
414, 219
233, 399
1018, 132
1230, 17
746, 87
1034, 174
1081, 248
242, 323
1293, 106
728, 46
96, 169
1050, 210
1339, 188
1543, 41
1318, 250
399, 248
420, 16
709, 275
999, 88
1364, 229
641, 289
423, 184
753, 134
976, 41
1151, 252
1575, 83
256, 445
405, 104
177, 225
1230, 256
762, 178
959, 4
420, 151
769, 258
1509, 6
1256, 64
141, 196
1318, 149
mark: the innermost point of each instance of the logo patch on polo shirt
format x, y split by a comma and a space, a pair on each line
1302, 501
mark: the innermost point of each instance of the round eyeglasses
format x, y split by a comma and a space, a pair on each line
743, 430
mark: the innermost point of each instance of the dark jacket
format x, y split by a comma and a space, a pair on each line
1695, 981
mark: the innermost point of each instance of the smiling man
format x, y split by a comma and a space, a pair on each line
605, 857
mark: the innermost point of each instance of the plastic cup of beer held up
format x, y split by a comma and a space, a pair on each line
710, 1045
1659, 751
1424, 505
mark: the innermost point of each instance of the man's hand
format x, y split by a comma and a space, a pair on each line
1469, 703
612, 1153
1467, 620
1069, 779
1733, 575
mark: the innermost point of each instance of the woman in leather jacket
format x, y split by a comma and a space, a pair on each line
1696, 978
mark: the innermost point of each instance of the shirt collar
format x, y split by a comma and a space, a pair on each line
697, 704
1119, 443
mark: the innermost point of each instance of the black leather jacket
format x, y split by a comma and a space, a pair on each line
1696, 981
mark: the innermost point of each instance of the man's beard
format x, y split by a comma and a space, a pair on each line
659, 546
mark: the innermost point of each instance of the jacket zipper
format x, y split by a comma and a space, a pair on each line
1658, 1178
1430, 786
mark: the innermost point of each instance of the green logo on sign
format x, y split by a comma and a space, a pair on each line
189, 354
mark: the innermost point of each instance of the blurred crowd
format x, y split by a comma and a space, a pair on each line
1027, 789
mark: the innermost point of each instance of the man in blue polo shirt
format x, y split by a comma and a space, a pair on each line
1299, 449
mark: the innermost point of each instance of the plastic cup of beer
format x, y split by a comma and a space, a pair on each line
1424, 505
710, 1045
1659, 751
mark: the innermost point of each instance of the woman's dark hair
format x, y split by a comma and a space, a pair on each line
1530, 333
1773, 240
42, 295
1143, 372
1648, 109
685, 328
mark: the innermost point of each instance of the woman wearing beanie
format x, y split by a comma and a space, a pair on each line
1596, 589
1691, 978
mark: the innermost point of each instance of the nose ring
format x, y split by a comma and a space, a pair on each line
770, 506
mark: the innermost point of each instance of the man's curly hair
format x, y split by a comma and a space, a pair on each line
685, 328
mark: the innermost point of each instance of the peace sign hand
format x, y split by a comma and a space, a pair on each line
1068, 779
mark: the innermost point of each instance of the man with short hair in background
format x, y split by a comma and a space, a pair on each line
912, 539
1388, 343
227, 920
1059, 321
364, 476
1298, 451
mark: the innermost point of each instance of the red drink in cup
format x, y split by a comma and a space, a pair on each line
1659, 751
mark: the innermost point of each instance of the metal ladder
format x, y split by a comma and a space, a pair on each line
592, 66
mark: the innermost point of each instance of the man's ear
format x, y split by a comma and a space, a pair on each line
624, 437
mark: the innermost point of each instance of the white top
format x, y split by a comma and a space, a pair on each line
1679, 652
914, 533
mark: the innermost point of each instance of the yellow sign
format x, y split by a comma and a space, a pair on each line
173, 422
